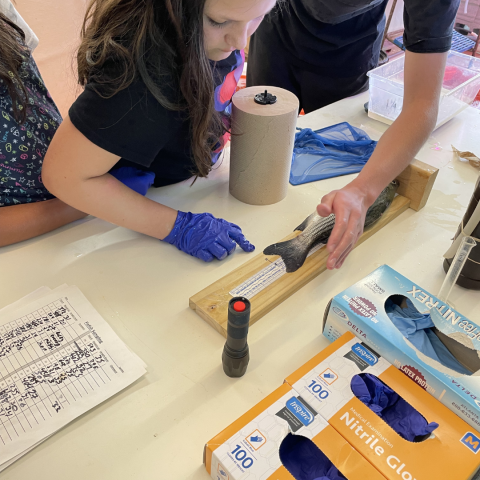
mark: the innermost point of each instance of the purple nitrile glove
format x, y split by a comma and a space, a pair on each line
206, 237
395, 411
134, 178
305, 461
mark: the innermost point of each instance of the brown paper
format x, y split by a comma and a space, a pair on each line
467, 157
262, 145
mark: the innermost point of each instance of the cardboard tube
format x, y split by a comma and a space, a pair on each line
262, 145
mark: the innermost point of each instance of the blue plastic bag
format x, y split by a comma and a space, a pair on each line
305, 461
329, 152
417, 328
393, 409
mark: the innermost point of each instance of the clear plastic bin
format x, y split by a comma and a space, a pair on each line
461, 84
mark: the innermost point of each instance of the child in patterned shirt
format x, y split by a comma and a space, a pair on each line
28, 121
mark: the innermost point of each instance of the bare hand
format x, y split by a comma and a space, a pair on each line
350, 205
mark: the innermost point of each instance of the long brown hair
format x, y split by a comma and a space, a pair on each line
12, 56
160, 41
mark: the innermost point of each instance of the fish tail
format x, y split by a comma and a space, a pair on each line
293, 253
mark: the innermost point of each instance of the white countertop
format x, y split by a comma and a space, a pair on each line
156, 429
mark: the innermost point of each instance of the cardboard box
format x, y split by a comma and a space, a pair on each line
249, 447
324, 382
361, 310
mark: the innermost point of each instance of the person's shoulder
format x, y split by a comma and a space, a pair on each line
428, 25
111, 86
110, 82
438, 9
127, 121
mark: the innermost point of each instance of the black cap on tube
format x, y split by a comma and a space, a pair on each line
235, 355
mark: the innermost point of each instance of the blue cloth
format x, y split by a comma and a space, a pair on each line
417, 328
206, 237
138, 180
330, 152
392, 408
305, 461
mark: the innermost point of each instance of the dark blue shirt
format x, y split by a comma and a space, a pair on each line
23, 147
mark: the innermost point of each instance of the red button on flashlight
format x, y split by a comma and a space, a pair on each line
239, 306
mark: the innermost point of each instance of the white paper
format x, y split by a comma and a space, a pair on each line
265, 277
58, 359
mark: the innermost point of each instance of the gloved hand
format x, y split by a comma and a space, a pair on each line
134, 178
206, 237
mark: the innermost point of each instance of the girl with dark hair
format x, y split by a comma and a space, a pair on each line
159, 76
28, 121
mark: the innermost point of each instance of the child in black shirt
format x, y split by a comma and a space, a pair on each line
159, 76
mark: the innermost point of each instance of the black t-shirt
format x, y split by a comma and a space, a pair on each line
336, 37
428, 23
133, 125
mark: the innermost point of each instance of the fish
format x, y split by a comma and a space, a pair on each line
316, 229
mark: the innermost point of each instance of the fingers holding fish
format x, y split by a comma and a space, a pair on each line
342, 233
343, 256
350, 209
325, 208
349, 237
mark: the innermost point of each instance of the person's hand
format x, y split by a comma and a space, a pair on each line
206, 237
350, 205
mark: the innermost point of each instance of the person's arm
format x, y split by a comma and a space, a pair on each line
21, 222
395, 150
74, 170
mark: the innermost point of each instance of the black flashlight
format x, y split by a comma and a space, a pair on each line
235, 355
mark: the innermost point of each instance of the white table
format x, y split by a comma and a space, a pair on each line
156, 429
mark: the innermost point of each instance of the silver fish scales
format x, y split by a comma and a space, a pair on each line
316, 230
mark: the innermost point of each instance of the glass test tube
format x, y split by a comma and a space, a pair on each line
456, 267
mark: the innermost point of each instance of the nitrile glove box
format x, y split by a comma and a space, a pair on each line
326, 383
360, 309
249, 447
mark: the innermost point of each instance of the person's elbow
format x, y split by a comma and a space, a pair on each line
59, 176
60, 179
51, 175
430, 113
423, 114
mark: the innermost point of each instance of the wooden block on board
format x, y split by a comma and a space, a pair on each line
212, 302
416, 183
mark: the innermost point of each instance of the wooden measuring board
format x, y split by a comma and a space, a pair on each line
212, 302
